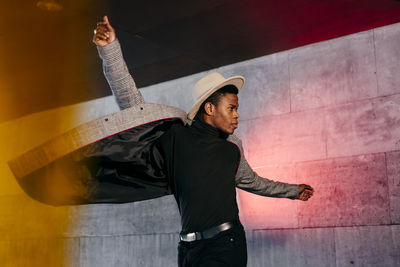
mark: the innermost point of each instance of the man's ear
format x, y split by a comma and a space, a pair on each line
209, 108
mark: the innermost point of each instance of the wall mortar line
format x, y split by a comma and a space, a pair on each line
375, 62
290, 86
388, 189
334, 246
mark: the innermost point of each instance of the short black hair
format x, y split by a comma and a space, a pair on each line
214, 98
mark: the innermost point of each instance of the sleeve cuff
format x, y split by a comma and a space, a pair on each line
110, 51
294, 191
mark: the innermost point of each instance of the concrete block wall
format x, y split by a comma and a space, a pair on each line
327, 114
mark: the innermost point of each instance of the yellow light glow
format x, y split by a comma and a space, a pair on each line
49, 5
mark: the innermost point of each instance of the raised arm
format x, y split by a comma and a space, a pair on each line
250, 181
115, 70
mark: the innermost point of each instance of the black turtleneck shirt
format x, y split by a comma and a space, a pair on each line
201, 166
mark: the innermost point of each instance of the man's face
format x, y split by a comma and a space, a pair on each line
226, 115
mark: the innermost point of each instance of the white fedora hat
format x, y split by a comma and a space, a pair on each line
209, 84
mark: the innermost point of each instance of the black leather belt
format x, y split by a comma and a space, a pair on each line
208, 233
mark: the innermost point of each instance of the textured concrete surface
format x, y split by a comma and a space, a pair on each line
348, 191
158, 215
387, 41
333, 72
129, 250
368, 126
72, 253
282, 248
393, 173
22, 217
284, 138
39, 252
266, 90
367, 246
396, 240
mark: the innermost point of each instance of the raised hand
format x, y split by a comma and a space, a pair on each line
306, 192
104, 33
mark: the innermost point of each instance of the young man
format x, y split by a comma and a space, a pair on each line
203, 161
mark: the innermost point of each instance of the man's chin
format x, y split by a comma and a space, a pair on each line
229, 131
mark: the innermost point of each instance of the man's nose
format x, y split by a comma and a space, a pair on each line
236, 114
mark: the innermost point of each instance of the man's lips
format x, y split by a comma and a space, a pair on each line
235, 124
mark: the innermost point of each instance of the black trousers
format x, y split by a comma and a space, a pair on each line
228, 248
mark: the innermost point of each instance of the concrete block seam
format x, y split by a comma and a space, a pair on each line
120, 235
388, 191
375, 63
290, 87
319, 227
320, 160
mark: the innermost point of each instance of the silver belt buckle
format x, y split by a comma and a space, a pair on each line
189, 237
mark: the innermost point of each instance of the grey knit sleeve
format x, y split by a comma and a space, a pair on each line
250, 181
117, 74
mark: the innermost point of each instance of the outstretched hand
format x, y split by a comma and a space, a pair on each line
104, 33
306, 192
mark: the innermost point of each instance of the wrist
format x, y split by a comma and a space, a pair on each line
108, 52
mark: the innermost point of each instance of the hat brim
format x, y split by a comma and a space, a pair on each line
237, 81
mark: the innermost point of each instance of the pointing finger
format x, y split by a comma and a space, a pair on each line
105, 20
107, 23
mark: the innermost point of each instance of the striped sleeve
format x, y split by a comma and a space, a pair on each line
118, 77
250, 181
